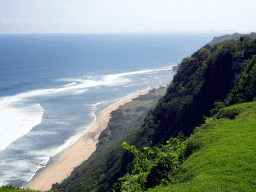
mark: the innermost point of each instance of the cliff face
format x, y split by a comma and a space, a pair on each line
212, 73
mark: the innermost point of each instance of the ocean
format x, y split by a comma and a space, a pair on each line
53, 86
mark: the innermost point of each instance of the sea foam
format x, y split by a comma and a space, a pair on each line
17, 122
107, 80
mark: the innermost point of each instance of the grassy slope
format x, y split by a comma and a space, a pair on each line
226, 158
10, 188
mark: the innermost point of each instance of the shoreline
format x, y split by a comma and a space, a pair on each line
64, 163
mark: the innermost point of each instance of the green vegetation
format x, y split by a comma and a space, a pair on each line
244, 89
10, 188
220, 157
153, 166
226, 158
204, 84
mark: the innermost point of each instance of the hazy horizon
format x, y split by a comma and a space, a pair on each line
126, 17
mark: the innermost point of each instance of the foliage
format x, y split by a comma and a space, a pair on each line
226, 113
153, 166
217, 106
226, 158
10, 188
245, 88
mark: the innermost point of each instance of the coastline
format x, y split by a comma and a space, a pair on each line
80, 151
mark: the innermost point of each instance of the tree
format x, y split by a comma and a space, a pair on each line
241, 39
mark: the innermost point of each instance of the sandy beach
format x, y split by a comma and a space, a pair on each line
80, 151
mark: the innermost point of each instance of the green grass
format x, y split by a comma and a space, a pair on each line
226, 159
10, 188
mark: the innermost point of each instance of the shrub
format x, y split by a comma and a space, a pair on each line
226, 113
153, 166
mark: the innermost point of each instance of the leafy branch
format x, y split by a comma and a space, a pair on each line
153, 166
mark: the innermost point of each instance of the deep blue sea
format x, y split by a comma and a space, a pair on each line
54, 85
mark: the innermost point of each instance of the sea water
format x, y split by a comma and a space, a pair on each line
54, 85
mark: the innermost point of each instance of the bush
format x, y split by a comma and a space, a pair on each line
153, 166
217, 106
227, 113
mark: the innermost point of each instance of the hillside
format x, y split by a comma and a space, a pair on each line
222, 158
209, 75
225, 160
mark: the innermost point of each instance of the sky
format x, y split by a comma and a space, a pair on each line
126, 16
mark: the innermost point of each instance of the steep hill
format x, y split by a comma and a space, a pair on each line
225, 160
222, 158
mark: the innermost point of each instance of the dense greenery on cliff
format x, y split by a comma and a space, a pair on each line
201, 80
226, 158
223, 157
245, 88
